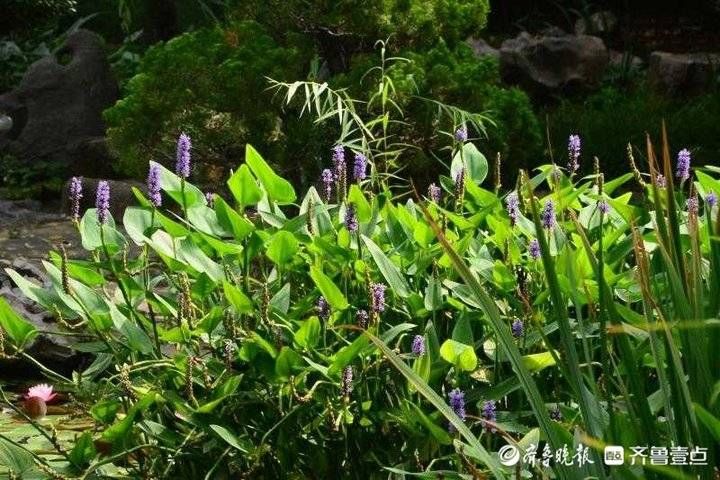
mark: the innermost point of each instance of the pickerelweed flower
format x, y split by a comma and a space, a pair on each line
548, 214
327, 179
363, 318
434, 193
153, 185
418, 345
534, 249
489, 413
75, 193
210, 199
603, 206
102, 201
660, 181
513, 207
711, 199
347, 379
42, 391
457, 403
461, 134
360, 167
323, 308
693, 205
182, 167
573, 153
517, 328
377, 291
338, 158
683, 164
351, 221
556, 414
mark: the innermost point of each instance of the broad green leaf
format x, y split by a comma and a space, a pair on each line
308, 335
277, 188
237, 298
19, 330
362, 207
476, 165
389, 270
461, 355
15, 457
709, 420
244, 187
287, 362
137, 221
229, 438
537, 361
175, 187
329, 290
282, 248
232, 221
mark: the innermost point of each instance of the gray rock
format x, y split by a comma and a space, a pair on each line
688, 73
57, 108
620, 59
598, 23
121, 196
550, 64
483, 49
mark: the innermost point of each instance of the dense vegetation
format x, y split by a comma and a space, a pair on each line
357, 331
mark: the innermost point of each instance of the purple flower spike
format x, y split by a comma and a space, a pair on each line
683, 164
461, 134
457, 403
603, 206
210, 199
360, 167
327, 179
534, 249
338, 158
182, 167
363, 318
347, 379
489, 413
153, 185
351, 221
378, 297
517, 328
573, 153
418, 345
434, 192
323, 308
711, 199
693, 205
513, 207
548, 215
76, 195
102, 201
660, 181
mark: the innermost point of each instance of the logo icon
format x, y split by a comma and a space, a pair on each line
509, 455
614, 455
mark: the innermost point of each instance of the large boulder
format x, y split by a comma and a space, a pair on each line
550, 64
683, 73
55, 114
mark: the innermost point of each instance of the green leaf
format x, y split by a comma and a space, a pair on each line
329, 290
237, 298
19, 330
287, 362
277, 188
137, 221
15, 457
174, 187
539, 361
476, 165
282, 248
83, 451
433, 295
244, 187
362, 207
232, 221
461, 355
229, 437
709, 420
389, 270
308, 335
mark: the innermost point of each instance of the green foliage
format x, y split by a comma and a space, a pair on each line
611, 118
200, 83
214, 357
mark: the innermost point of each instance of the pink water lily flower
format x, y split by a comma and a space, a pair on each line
42, 391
